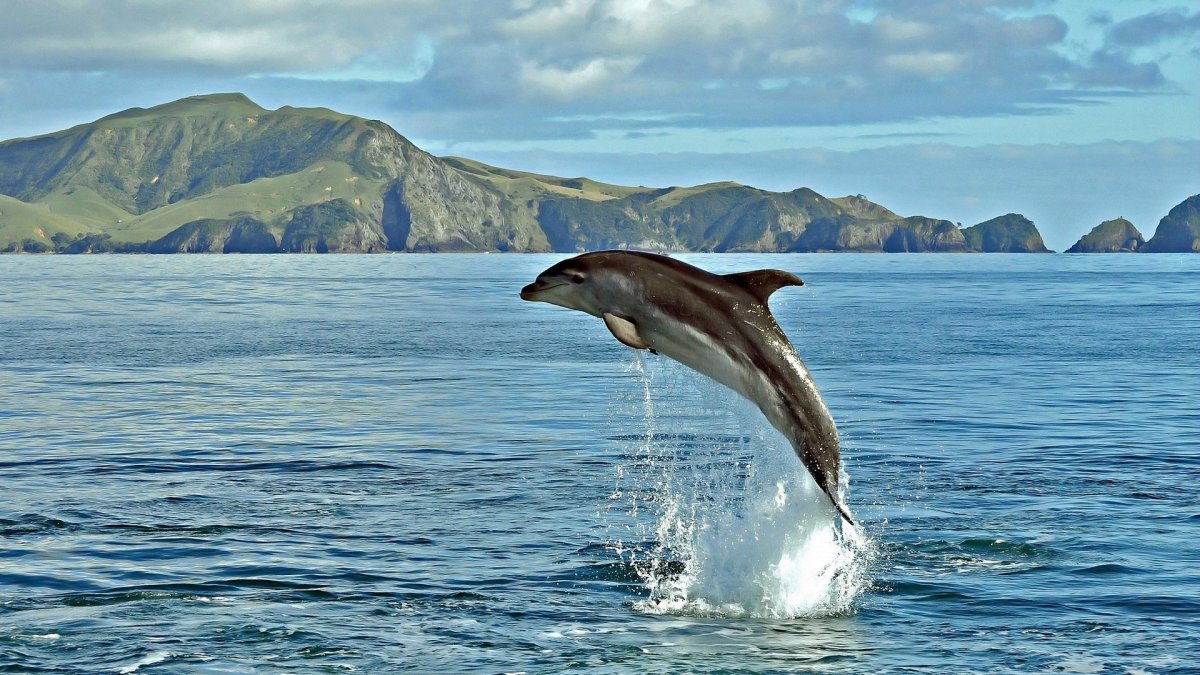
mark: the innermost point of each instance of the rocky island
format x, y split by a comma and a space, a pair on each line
1179, 230
1011, 233
1111, 236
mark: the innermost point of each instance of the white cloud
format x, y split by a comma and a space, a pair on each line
647, 22
136, 35
893, 29
926, 64
582, 80
230, 48
480, 68
547, 20
801, 59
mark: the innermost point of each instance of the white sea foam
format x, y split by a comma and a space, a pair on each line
728, 524
151, 659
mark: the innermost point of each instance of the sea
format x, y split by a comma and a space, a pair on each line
389, 463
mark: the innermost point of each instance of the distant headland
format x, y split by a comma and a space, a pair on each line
221, 174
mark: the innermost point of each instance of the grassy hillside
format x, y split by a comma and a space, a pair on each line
141, 174
860, 207
21, 222
270, 200
142, 159
521, 185
83, 205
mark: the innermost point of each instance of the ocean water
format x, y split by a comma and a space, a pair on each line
261, 464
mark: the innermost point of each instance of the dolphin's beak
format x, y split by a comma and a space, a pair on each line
531, 291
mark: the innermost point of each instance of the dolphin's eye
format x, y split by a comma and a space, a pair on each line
575, 278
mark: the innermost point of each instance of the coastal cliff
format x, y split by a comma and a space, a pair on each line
219, 173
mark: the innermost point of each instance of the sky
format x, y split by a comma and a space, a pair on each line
1069, 112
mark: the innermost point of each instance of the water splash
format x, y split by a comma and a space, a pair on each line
725, 524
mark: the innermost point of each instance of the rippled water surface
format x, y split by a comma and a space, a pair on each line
237, 464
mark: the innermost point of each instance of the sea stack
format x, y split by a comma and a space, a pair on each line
1179, 231
1010, 233
1111, 236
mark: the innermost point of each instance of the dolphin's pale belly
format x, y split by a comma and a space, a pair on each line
722, 361
783, 391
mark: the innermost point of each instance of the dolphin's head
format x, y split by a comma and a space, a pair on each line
572, 283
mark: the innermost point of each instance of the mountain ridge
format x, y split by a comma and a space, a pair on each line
219, 172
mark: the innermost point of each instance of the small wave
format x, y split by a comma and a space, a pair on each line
1020, 549
32, 523
1148, 495
138, 464
1106, 568
152, 659
930, 591
940, 557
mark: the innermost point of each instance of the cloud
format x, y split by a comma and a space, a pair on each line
253, 37
583, 80
1152, 28
926, 64
537, 22
1116, 65
1114, 68
478, 69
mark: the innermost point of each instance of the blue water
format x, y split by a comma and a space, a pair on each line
258, 464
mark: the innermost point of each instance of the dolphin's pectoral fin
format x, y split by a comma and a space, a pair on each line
762, 283
625, 331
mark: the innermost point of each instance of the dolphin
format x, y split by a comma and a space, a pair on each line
716, 324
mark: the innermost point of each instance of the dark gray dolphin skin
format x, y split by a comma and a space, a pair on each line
718, 325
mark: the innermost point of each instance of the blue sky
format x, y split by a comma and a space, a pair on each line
1067, 112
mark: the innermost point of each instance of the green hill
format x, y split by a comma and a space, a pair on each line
271, 200
521, 185
31, 227
141, 174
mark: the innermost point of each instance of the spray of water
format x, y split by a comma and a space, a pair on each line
721, 523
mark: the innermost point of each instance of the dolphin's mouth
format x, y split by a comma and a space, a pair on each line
536, 287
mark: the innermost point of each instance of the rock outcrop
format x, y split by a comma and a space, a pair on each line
1179, 230
1010, 233
238, 235
1111, 236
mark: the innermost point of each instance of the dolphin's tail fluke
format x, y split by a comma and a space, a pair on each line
842, 510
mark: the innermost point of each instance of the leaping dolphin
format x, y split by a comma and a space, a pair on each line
718, 325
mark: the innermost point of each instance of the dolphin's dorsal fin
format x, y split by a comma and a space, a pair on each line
762, 283
625, 331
